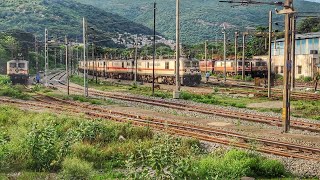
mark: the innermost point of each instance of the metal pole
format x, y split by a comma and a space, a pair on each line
67, 64
293, 74
36, 51
85, 59
205, 54
287, 64
136, 61
55, 57
154, 45
270, 54
236, 52
243, 55
225, 55
46, 57
177, 92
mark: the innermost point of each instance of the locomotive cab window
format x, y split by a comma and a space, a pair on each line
167, 65
21, 65
13, 65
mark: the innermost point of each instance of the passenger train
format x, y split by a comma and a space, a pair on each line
18, 71
253, 67
165, 70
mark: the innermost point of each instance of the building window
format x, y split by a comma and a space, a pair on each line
281, 71
276, 69
167, 65
299, 69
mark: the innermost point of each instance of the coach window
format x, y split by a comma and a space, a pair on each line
148, 65
240, 63
13, 65
299, 69
167, 65
281, 70
258, 63
21, 65
128, 63
122, 64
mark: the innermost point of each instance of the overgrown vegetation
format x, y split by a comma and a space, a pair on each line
15, 91
213, 98
76, 148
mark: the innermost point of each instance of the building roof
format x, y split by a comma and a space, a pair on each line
304, 36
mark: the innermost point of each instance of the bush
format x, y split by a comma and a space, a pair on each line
236, 164
42, 144
77, 169
5, 80
307, 79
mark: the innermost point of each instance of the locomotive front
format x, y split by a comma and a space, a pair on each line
18, 71
191, 75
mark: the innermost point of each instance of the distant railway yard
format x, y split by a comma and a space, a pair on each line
218, 116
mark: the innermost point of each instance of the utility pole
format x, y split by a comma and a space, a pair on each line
243, 55
205, 54
176, 94
236, 52
55, 58
136, 61
36, 51
225, 55
85, 58
293, 73
287, 11
60, 53
154, 45
46, 54
67, 65
270, 54
77, 54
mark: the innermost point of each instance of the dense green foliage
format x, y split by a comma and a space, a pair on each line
64, 18
309, 25
200, 20
76, 148
7, 89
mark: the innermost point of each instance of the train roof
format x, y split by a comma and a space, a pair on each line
17, 60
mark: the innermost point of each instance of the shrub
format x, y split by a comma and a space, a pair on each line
307, 79
248, 78
271, 168
42, 144
235, 164
77, 169
5, 80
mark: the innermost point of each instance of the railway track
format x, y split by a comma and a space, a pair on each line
262, 92
176, 128
273, 121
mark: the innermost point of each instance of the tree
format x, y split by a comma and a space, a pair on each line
309, 25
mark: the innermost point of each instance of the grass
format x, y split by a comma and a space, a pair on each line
14, 91
306, 109
214, 98
43, 144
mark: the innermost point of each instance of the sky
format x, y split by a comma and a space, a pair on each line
318, 1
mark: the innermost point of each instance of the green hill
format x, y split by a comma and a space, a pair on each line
201, 19
64, 17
